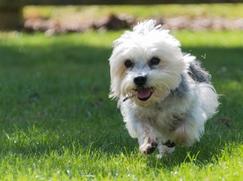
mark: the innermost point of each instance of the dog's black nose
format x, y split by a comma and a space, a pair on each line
140, 80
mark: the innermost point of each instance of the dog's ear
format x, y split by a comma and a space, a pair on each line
114, 87
114, 84
113, 95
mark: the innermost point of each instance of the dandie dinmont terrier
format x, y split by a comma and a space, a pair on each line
164, 95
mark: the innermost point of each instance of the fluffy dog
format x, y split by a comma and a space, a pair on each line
164, 95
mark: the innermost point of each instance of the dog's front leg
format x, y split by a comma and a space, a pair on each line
147, 139
142, 131
165, 148
149, 145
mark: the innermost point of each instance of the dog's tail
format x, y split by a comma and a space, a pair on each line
209, 99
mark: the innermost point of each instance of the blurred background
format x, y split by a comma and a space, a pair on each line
56, 120
53, 17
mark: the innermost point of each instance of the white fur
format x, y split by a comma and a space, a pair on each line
153, 118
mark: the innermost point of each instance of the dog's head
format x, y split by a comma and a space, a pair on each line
146, 64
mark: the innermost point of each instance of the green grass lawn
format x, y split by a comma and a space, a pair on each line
57, 123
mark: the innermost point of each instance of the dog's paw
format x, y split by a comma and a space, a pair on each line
165, 150
148, 147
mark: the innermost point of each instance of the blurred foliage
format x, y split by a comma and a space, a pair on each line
207, 10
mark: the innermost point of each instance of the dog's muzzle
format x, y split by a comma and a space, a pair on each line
143, 93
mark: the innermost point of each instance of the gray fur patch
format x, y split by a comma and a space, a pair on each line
197, 73
176, 121
182, 89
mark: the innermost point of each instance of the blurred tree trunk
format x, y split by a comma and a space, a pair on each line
10, 15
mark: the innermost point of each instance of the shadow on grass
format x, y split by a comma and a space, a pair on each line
55, 98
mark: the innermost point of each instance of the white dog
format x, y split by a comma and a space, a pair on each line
164, 95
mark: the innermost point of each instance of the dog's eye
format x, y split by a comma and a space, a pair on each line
154, 61
128, 63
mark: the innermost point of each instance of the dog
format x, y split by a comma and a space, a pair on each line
164, 95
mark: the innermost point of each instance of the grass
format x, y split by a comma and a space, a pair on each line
57, 123
94, 12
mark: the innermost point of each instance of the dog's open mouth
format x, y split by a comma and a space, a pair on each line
144, 94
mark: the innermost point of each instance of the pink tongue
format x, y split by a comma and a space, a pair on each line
144, 93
